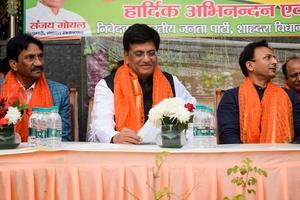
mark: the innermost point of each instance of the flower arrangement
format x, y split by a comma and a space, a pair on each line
172, 111
11, 110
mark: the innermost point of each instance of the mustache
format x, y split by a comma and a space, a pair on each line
37, 68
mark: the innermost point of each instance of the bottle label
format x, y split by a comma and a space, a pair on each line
213, 132
42, 134
201, 132
32, 132
52, 132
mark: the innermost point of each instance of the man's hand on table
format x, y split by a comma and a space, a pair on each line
126, 136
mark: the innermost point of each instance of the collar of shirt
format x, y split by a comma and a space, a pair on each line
260, 91
28, 91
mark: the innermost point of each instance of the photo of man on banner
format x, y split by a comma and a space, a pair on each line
48, 19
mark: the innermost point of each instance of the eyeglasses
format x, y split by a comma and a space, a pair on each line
141, 54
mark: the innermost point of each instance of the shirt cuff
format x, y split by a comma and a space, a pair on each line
115, 133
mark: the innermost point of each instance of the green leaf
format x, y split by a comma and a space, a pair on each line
162, 192
251, 191
252, 181
229, 171
238, 181
23, 107
235, 169
16, 103
239, 197
159, 159
264, 173
243, 171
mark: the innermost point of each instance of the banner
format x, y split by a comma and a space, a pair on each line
48, 19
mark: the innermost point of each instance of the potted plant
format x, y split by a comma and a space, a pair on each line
11, 112
172, 115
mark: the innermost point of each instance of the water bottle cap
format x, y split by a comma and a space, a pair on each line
44, 109
209, 109
200, 107
54, 108
35, 109
203, 107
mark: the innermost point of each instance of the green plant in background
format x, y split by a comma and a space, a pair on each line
216, 81
162, 192
244, 178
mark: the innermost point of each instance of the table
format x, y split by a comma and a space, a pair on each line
108, 171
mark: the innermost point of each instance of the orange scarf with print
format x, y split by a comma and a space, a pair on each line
128, 97
267, 121
285, 85
41, 97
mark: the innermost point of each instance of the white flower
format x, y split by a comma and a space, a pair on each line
172, 108
12, 115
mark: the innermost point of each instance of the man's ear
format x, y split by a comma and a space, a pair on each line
126, 54
13, 65
249, 66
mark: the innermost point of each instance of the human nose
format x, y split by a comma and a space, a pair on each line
38, 61
146, 57
274, 60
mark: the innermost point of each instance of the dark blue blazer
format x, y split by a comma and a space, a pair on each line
229, 121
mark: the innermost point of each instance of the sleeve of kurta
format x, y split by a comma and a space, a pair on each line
102, 116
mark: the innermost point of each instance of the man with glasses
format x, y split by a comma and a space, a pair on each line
291, 71
123, 99
259, 111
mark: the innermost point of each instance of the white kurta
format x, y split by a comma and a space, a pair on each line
103, 123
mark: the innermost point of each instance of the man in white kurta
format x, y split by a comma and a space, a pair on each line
49, 19
139, 81
103, 123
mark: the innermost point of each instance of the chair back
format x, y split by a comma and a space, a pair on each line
218, 96
90, 108
74, 113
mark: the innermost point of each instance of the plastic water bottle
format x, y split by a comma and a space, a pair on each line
32, 132
54, 128
212, 128
201, 130
189, 134
42, 121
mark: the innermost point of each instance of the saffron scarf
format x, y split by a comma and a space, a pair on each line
285, 85
41, 97
128, 97
267, 121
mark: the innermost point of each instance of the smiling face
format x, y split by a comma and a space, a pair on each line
29, 66
293, 74
142, 59
263, 65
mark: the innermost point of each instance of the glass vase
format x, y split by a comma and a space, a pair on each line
8, 137
171, 136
